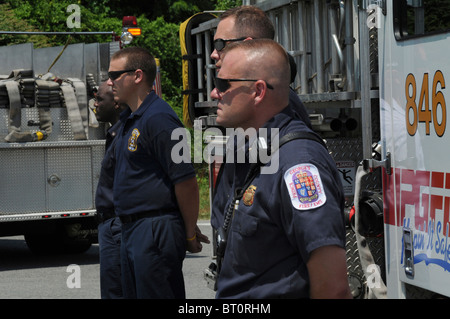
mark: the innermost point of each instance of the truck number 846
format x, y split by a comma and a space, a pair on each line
421, 112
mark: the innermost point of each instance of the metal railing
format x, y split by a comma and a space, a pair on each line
318, 34
329, 41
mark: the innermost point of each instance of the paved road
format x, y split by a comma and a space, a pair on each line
24, 275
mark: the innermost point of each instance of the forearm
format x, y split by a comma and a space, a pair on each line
187, 196
328, 273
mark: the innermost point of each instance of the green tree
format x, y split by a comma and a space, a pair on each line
227, 4
161, 39
159, 20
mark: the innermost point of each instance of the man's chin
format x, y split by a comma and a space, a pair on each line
118, 100
221, 121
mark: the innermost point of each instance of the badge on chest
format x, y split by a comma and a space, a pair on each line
132, 141
249, 195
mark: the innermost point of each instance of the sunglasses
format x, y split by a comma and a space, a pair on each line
114, 75
224, 84
219, 44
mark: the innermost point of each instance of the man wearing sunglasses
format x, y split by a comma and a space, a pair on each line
155, 198
287, 233
249, 22
240, 24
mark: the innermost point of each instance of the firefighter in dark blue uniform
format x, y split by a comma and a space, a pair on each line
155, 191
106, 110
287, 233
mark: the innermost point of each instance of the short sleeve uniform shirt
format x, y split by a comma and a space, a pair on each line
147, 167
282, 217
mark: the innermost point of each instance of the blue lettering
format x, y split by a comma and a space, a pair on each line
447, 247
431, 230
419, 241
438, 240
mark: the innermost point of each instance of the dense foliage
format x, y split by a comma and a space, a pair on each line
159, 20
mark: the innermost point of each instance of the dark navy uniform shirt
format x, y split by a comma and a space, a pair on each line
280, 220
299, 107
145, 171
104, 194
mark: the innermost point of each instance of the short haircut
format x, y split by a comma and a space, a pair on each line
138, 58
251, 22
269, 50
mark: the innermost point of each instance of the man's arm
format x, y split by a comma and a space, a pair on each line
327, 269
188, 201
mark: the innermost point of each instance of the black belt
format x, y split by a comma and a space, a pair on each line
134, 217
103, 216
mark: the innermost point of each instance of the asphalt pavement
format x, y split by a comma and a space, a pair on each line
24, 275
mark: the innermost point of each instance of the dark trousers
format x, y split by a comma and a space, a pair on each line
109, 237
152, 254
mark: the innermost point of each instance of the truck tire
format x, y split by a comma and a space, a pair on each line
56, 243
43, 244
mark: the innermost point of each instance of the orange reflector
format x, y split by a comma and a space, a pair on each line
134, 31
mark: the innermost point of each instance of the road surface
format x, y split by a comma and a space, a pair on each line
24, 275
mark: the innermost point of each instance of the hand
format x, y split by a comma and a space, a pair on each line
194, 245
202, 238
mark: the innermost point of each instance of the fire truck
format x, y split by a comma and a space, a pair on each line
51, 145
371, 75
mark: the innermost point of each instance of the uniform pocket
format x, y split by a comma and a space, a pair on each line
245, 246
246, 225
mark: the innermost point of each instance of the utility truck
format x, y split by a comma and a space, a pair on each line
51, 145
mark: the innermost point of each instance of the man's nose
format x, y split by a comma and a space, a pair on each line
215, 94
215, 55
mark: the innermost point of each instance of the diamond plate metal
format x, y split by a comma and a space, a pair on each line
350, 149
27, 170
19, 168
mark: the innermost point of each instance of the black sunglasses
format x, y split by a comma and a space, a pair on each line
224, 84
113, 75
219, 44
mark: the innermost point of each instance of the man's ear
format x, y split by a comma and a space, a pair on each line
260, 91
139, 76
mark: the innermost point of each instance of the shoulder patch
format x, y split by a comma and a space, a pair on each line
305, 186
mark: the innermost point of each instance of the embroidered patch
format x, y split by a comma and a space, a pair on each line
132, 141
305, 186
248, 196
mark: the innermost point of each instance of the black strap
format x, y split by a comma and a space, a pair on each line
302, 135
286, 138
254, 169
